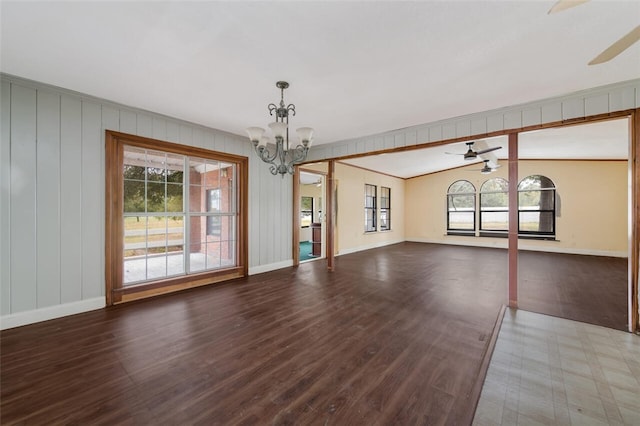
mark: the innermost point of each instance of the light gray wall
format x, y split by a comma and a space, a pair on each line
601, 100
52, 165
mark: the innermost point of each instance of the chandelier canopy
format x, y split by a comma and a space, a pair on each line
284, 157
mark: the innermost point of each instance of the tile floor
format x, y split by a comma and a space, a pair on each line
552, 371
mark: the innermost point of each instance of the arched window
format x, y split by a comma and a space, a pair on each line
461, 208
537, 206
494, 207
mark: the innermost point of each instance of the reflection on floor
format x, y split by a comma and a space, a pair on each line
305, 251
552, 371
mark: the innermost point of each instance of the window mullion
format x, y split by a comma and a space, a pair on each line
186, 249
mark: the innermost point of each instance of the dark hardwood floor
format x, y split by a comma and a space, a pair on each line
591, 289
395, 335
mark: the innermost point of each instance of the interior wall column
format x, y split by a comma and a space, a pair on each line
634, 222
330, 197
295, 242
513, 220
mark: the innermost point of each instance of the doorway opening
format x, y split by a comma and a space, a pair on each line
312, 235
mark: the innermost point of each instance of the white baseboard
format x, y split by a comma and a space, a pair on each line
270, 267
44, 314
503, 244
368, 247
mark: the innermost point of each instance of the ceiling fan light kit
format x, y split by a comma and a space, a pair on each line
284, 157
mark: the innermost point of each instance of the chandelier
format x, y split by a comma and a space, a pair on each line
285, 156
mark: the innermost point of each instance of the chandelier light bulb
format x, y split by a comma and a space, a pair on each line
278, 128
305, 134
255, 133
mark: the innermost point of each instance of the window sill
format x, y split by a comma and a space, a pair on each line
503, 235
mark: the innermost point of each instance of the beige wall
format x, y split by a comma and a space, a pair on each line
592, 206
350, 217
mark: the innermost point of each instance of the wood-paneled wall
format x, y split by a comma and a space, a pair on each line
575, 106
52, 162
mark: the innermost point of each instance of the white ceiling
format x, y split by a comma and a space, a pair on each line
355, 68
606, 140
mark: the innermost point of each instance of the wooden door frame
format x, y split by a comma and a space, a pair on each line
295, 242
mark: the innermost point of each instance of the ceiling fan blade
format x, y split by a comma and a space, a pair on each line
618, 47
564, 5
453, 153
484, 151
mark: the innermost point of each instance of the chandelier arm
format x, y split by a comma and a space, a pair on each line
265, 155
298, 154
272, 107
291, 108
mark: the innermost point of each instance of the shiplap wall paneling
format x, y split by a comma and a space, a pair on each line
23, 199
186, 135
532, 117
198, 138
598, 104
48, 199
110, 120
92, 201
254, 213
572, 108
173, 131
159, 128
479, 126
5, 195
616, 97
144, 125
495, 123
513, 120
270, 203
128, 122
263, 212
433, 134
412, 138
209, 141
623, 98
60, 219
551, 112
71, 265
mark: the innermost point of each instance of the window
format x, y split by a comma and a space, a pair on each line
370, 208
537, 206
213, 222
461, 212
494, 207
173, 216
385, 208
306, 211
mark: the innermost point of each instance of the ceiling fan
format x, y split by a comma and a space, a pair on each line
612, 51
486, 169
471, 154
